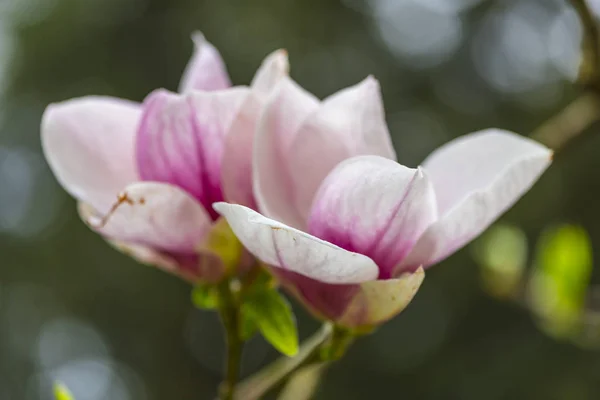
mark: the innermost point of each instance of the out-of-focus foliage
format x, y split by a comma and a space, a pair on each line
61, 392
560, 279
74, 309
502, 252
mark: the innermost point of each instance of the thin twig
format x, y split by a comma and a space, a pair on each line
231, 322
265, 380
589, 69
574, 119
561, 130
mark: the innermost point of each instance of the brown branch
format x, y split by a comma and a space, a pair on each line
589, 70
577, 117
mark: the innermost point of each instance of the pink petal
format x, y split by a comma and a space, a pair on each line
349, 123
206, 70
89, 144
366, 304
155, 215
288, 107
374, 206
236, 169
181, 139
185, 267
282, 246
476, 178
270, 73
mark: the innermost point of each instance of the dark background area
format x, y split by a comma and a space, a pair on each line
74, 309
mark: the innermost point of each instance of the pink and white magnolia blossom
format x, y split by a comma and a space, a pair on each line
346, 228
146, 175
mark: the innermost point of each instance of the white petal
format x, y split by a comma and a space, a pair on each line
89, 144
376, 207
206, 70
282, 246
476, 179
157, 215
473, 162
349, 123
270, 73
287, 108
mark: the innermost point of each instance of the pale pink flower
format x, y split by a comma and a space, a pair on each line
351, 239
146, 175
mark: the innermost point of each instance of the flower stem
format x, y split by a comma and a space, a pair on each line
327, 345
230, 316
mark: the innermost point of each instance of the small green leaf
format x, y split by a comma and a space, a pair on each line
205, 297
61, 392
275, 319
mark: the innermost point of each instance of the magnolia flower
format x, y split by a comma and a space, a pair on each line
146, 175
354, 249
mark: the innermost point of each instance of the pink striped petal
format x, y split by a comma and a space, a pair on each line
156, 215
181, 139
374, 206
206, 70
284, 247
89, 144
476, 178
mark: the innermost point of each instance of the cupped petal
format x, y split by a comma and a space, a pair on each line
205, 265
287, 248
362, 305
237, 163
89, 144
374, 206
274, 67
156, 215
181, 139
206, 70
476, 179
349, 123
288, 106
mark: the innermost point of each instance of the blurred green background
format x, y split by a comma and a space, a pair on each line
74, 309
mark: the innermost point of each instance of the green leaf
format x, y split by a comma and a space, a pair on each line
560, 278
205, 297
61, 392
275, 319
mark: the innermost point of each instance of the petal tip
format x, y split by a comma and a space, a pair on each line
198, 38
371, 83
219, 207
